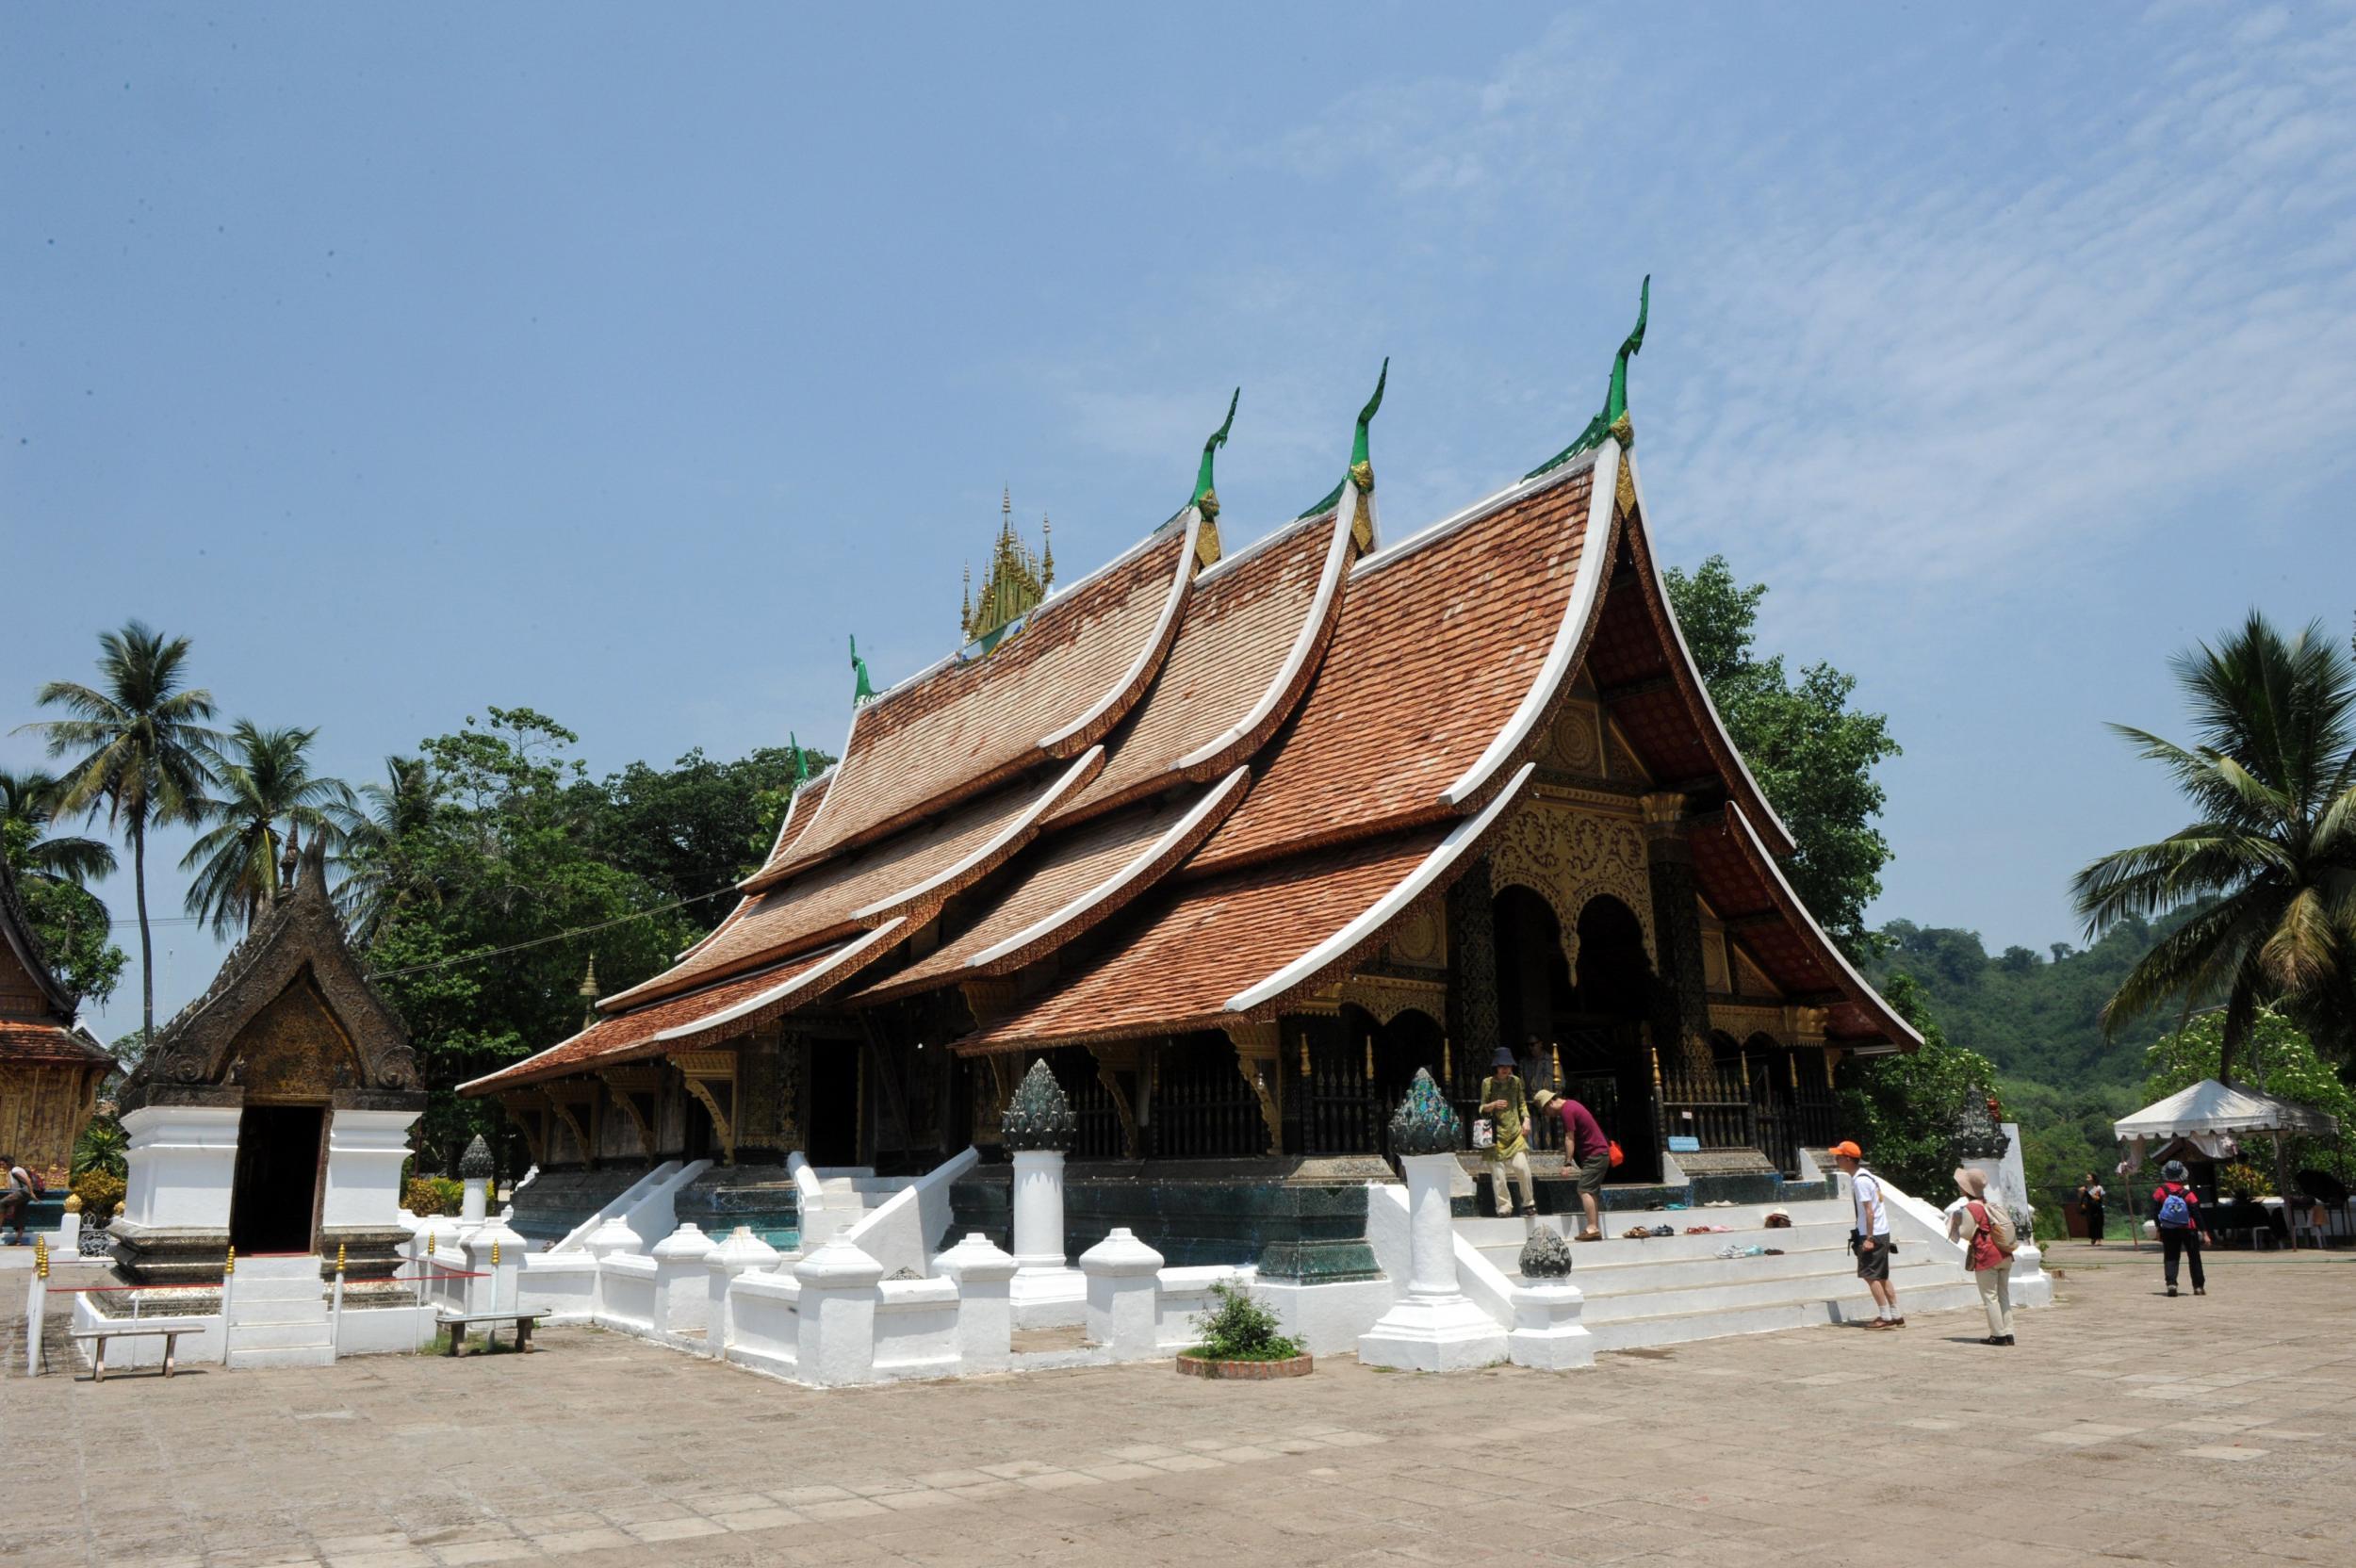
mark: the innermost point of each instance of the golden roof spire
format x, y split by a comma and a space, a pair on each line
1012, 584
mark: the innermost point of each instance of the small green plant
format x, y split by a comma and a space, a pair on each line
1239, 1329
426, 1195
101, 1192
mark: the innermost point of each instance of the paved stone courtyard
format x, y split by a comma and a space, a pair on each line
2125, 1427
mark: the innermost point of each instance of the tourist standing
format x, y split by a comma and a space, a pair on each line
1984, 1253
16, 1196
1586, 1156
2090, 1204
1871, 1236
1503, 1103
2176, 1209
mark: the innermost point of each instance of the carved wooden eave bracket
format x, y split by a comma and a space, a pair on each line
628, 1085
1256, 1045
573, 1102
704, 1073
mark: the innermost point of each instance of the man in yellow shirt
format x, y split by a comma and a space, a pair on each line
1503, 1103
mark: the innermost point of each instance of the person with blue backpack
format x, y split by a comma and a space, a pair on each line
2176, 1210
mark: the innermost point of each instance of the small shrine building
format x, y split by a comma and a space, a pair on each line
1237, 842
50, 1066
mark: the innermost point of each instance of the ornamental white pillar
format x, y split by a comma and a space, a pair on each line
608, 1240
496, 1253
1123, 1299
837, 1315
1038, 1128
985, 1307
1433, 1327
680, 1297
1546, 1331
741, 1254
474, 1171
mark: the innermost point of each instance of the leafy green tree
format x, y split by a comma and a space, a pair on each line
2267, 875
29, 800
1909, 1108
70, 922
2276, 1056
1812, 754
699, 827
369, 826
139, 744
489, 881
267, 797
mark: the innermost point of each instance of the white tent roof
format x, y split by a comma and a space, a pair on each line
2209, 1107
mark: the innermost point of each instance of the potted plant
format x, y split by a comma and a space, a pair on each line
1240, 1339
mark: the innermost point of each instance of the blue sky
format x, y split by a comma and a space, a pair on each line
620, 362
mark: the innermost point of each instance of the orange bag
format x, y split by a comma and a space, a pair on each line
1616, 1155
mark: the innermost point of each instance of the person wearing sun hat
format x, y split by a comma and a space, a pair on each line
2176, 1209
1870, 1237
1503, 1102
1586, 1156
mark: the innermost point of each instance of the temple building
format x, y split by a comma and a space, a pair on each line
50, 1066
1237, 842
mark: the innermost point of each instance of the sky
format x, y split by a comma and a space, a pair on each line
621, 361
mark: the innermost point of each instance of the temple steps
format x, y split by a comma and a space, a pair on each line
1679, 1328
278, 1314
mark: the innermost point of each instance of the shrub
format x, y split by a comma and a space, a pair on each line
426, 1195
2242, 1177
1239, 1329
101, 1192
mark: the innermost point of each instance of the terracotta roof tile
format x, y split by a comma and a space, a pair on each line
1086, 875
627, 1036
864, 887
45, 1042
1244, 623
1437, 646
1085, 655
1176, 968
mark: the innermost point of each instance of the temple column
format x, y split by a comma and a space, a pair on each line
1473, 1026
1681, 1013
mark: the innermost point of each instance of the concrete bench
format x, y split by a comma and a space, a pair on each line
457, 1323
169, 1332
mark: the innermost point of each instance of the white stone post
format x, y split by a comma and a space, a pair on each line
1433, 1327
985, 1310
36, 1308
1123, 1294
1037, 1127
837, 1315
441, 1250
680, 1291
1548, 1334
741, 1254
2031, 1286
495, 1291
612, 1237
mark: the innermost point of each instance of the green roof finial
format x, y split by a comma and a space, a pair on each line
1205, 498
1360, 465
864, 690
1613, 420
801, 759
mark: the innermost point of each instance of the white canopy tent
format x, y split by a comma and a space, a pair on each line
2215, 1116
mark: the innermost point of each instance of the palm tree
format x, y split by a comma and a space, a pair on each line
29, 800
267, 797
139, 744
405, 801
2269, 872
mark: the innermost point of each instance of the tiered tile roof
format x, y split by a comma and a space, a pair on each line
37, 1010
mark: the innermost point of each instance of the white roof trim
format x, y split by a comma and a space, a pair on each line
1433, 534
1460, 838
848, 736
883, 935
1153, 644
1261, 546
1082, 768
1774, 869
1120, 880
1586, 590
1336, 557
1636, 483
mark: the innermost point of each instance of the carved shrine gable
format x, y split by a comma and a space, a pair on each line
1568, 856
293, 1048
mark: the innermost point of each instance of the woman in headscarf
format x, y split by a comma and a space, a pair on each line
1990, 1266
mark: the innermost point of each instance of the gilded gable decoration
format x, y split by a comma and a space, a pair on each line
1568, 857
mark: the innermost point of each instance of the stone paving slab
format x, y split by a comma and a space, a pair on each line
1794, 1447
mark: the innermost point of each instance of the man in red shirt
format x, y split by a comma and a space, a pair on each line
2176, 1210
1586, 1156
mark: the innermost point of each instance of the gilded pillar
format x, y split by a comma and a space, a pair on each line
1682, 1006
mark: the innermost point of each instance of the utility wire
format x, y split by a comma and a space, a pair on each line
555, 937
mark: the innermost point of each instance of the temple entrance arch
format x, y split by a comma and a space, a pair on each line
274, 1185
1606, 1065
1388, 1054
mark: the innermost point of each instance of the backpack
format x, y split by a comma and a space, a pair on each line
40, 1189
1997, 1221
2174, 1212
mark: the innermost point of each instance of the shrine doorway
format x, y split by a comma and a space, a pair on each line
1606, 1064
274, 1190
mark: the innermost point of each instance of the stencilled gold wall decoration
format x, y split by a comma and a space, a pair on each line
1384, 997
293, 1050
1418, 938
1568, 856
1576, 743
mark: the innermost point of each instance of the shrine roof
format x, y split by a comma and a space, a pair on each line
27, 1042
1452, 648
863, 889
654, 1029
24, 947
1077, 880
1056, 686
1227, 949
1246, 649
1741, 877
